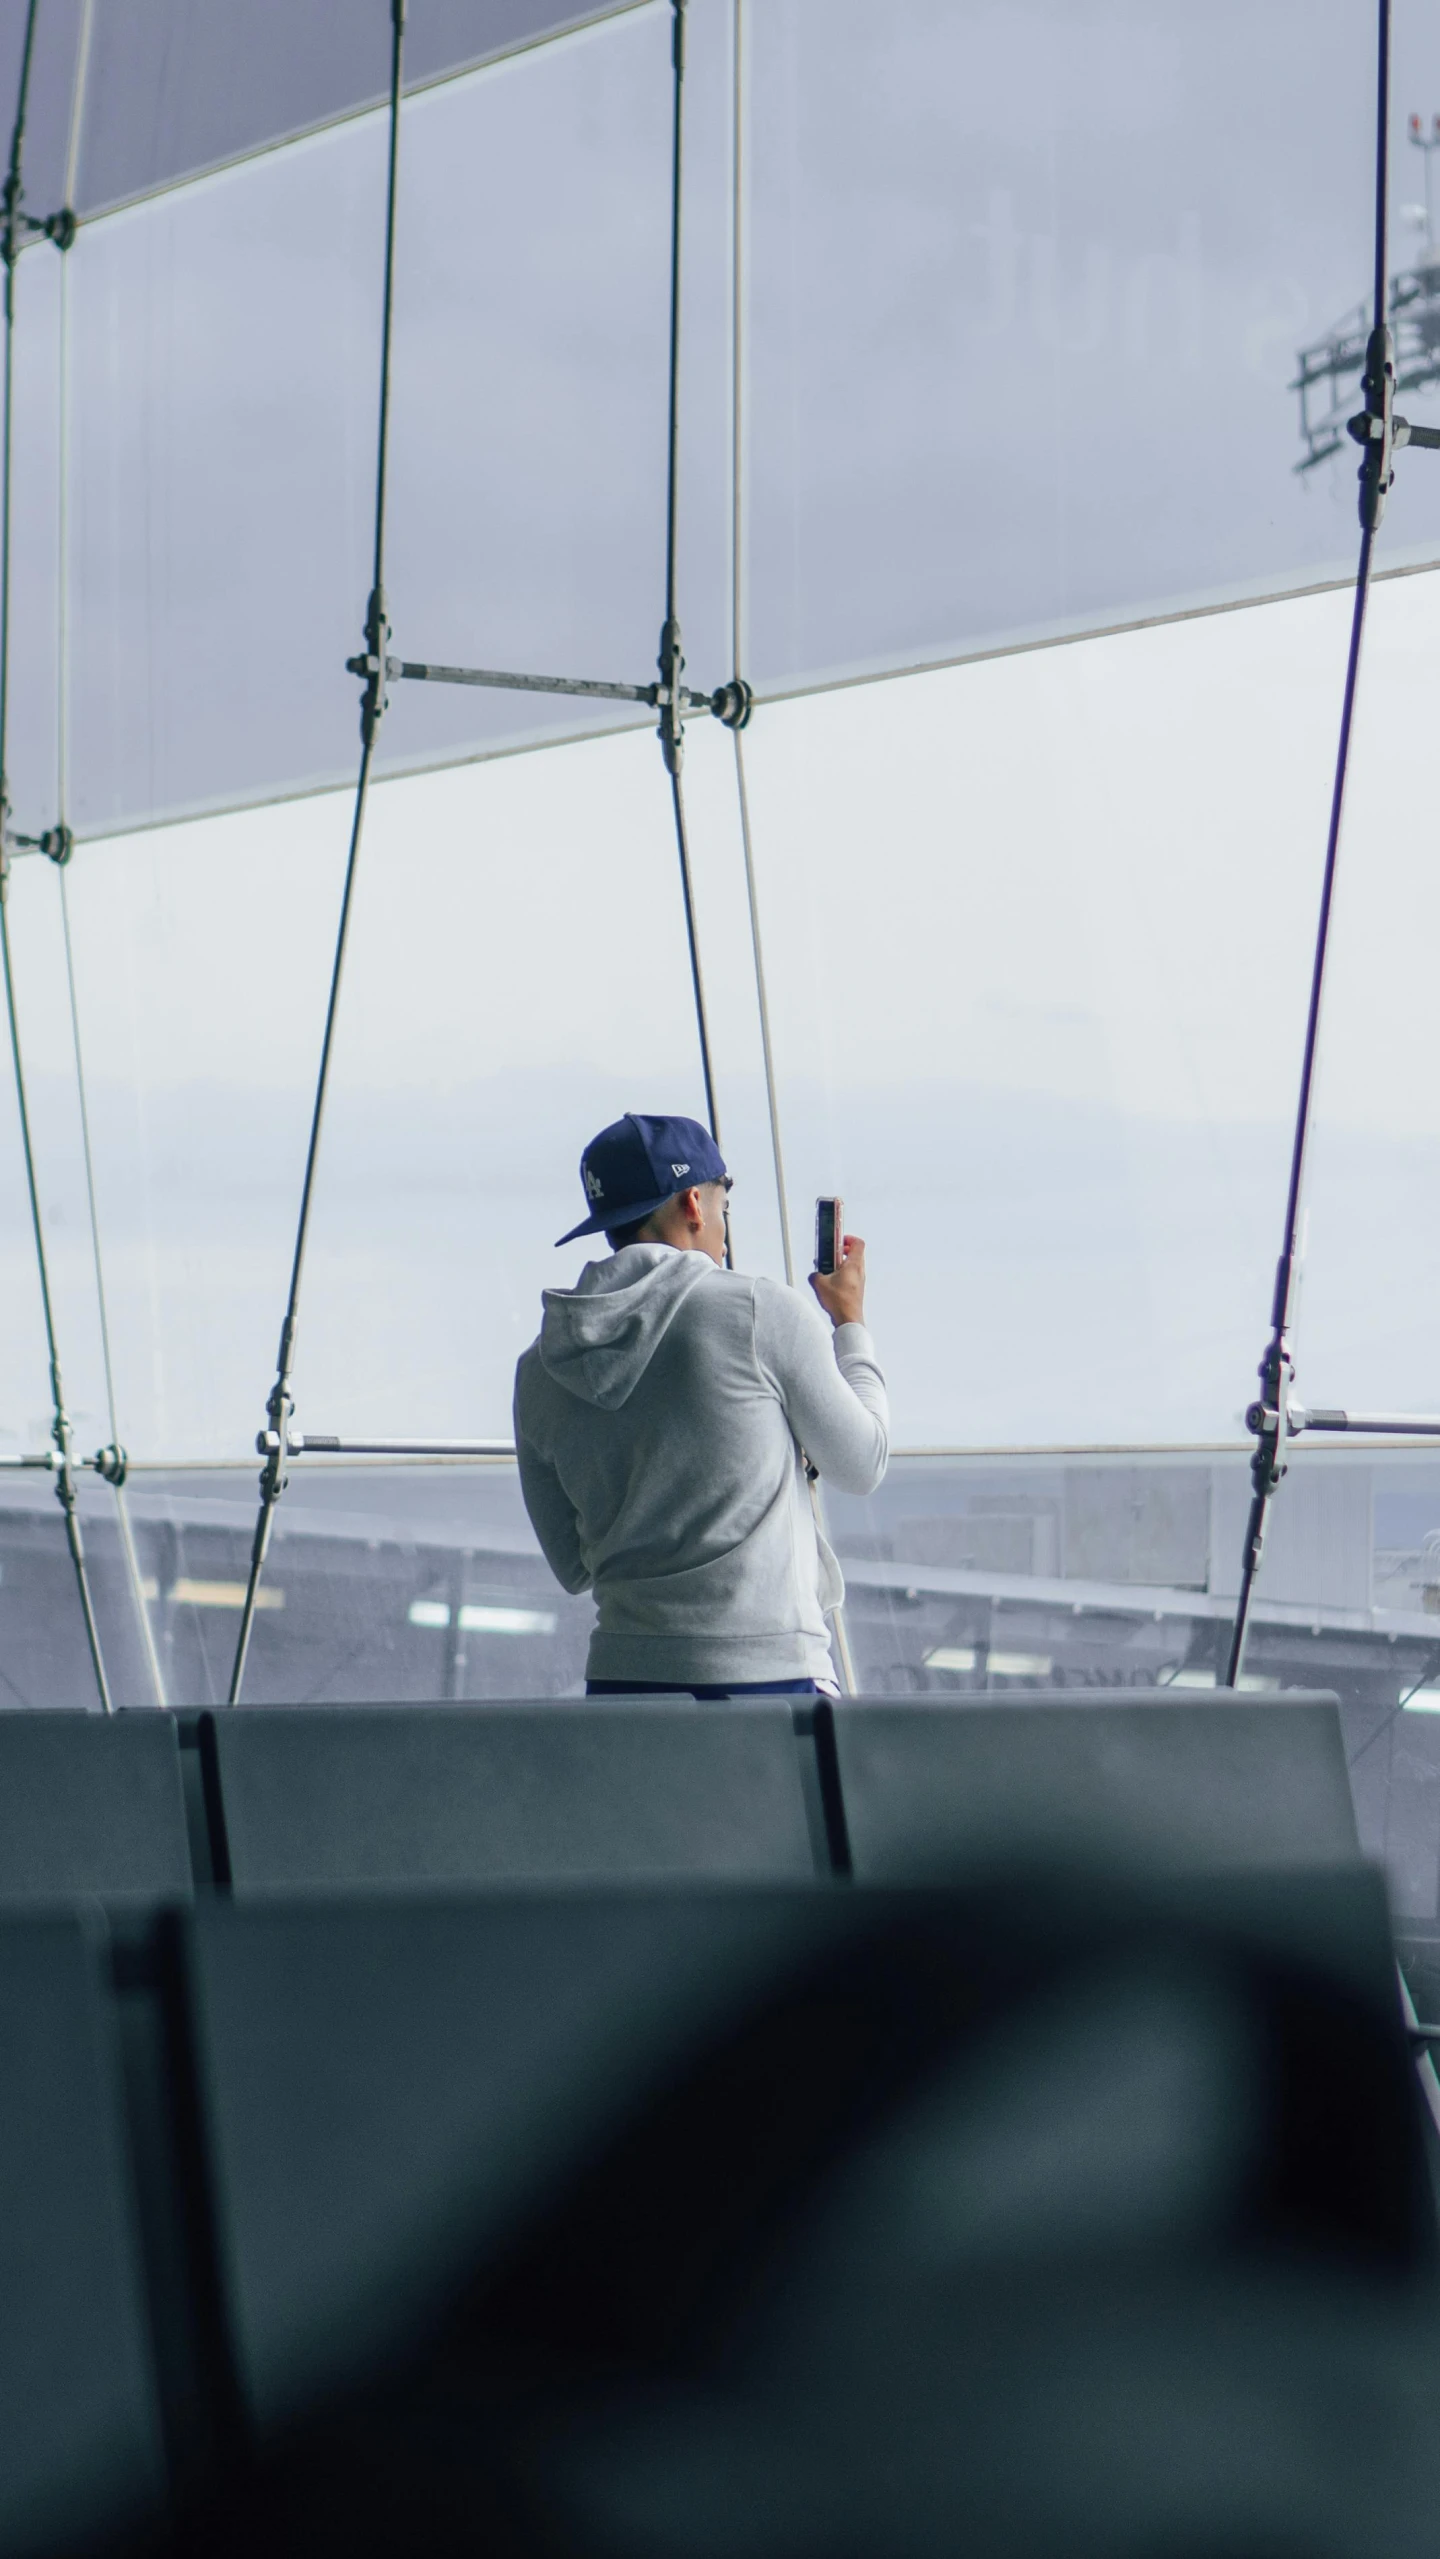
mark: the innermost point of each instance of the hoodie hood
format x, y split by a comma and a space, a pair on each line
598, 1338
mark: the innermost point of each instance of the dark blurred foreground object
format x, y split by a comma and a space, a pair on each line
1047, 2215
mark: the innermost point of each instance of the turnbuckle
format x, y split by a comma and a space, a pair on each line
1379, 432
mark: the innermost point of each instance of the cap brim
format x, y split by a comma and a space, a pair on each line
619, 1216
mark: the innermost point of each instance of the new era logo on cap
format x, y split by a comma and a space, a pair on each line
639, 1163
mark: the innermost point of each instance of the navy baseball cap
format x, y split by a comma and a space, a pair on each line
636, 1164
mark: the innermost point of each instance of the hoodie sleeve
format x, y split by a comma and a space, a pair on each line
832, 1387
552, 1513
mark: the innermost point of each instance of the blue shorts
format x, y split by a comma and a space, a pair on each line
669, 1688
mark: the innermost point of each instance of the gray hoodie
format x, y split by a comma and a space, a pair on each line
659, 1420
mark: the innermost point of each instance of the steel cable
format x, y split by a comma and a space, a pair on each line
61, 1438
274, 1441
737, 607
672, 660
1268, 1418
63, 832
845, 1658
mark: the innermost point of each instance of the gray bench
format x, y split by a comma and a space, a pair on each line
447, 1796
945, 1785
394, 2086
80, 2440
91, 1806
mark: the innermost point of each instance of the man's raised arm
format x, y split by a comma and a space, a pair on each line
833, 1390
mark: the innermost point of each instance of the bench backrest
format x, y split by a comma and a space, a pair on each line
452, 1796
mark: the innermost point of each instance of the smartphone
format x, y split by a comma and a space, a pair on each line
829, 1234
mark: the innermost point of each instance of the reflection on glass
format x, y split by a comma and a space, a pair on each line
225, 373
1027, 292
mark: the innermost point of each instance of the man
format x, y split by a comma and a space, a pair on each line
660, 1420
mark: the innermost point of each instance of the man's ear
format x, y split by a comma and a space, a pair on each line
694, 1208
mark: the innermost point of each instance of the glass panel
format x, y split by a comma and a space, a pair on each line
1364, 1337
1141, 294
33, 749
24, 1376
517, 977
1027, 289
226, 349
1038, 940
51, 95
44, 1655
38, 949
385, 1584
1010, 1576
176, 85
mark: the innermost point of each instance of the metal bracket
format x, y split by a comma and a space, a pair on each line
733, 703
112, 1464
57, 843
60, 227
374, 666
1374, 428
1379, 432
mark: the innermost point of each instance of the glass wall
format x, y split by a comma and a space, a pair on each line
1027, 290
226, 343
517, 976
1038, 934
1022, 301
1037, 940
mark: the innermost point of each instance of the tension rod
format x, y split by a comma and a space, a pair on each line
323, 1444
1328, 1417
732, 703
111, 1464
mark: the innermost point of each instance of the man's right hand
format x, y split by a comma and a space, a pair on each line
842, 1292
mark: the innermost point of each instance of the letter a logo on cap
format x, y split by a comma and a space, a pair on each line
594, 1187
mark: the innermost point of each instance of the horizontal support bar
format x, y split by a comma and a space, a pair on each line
321, 1444
1423, 2034
414, 672
1373, 1425
111, 1463
731, 703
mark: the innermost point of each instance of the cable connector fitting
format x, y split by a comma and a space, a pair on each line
1374, 428
374, 666
111, 1464
733, 703
670, 696
57, 843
